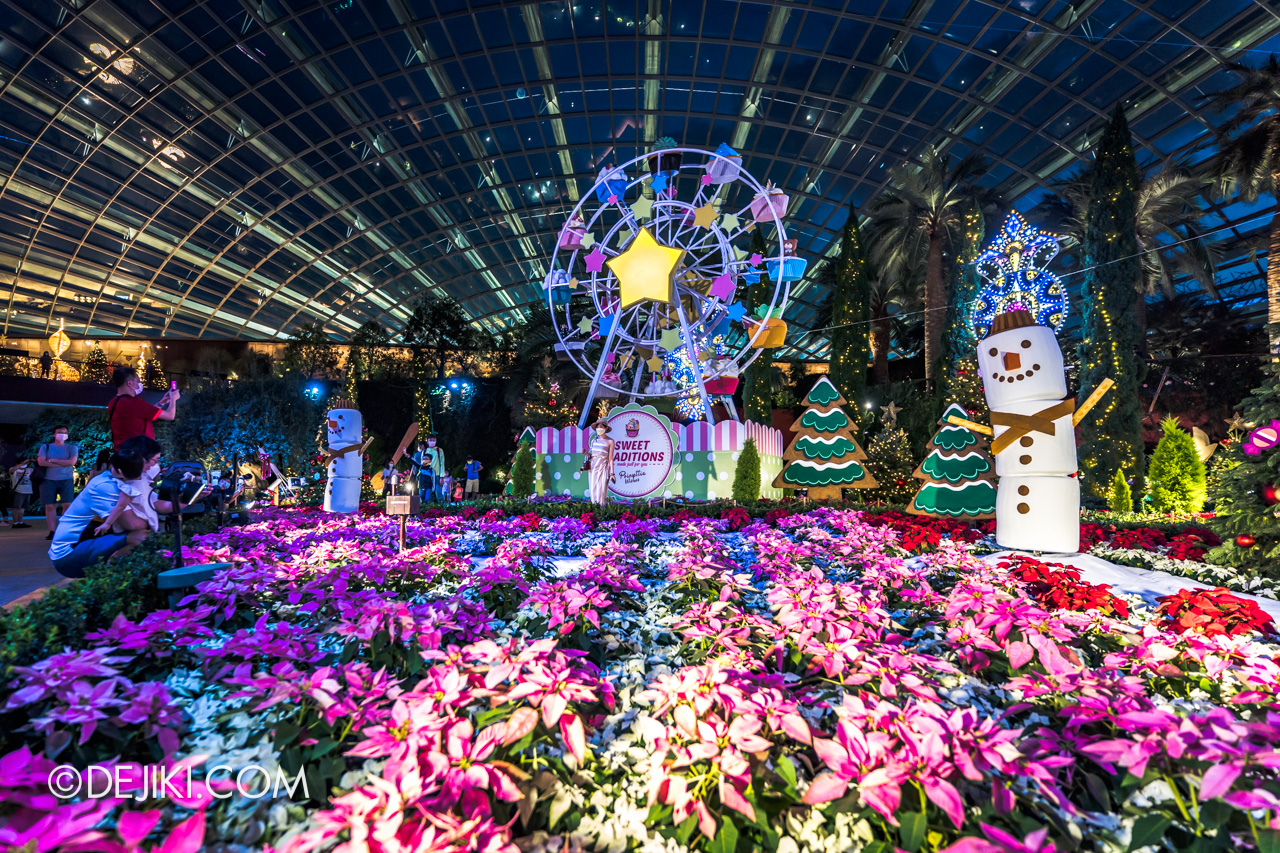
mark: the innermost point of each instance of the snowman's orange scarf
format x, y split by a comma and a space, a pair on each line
1020, 425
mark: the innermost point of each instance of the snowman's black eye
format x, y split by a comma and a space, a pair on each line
993, 352
1026, 344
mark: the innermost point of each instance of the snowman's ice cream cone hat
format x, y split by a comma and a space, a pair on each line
1014, 318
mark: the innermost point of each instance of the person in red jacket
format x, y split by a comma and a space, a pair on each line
130, 415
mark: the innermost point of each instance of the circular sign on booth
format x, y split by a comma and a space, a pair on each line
644, 451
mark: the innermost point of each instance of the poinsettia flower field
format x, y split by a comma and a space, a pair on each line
820, 680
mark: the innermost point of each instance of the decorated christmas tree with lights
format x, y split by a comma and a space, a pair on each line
890, 460
1247, 498
958, 473
824, 457
544, 402
97, 368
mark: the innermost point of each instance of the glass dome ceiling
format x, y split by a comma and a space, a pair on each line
235, 168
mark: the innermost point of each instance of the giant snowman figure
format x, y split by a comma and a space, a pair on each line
346, 457
1038, 496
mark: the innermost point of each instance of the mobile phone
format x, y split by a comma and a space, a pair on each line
173, 385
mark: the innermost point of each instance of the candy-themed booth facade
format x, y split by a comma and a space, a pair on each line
704, 459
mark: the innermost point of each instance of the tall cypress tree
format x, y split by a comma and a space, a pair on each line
958, 339
850, 315
757, 384
1111, 436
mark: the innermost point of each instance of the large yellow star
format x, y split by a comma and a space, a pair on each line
644, 270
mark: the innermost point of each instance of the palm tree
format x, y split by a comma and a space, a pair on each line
1166, 226
884, 325
1248, 158
887, 293
917, 220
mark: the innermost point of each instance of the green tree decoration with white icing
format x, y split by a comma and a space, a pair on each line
959, 476
824, 457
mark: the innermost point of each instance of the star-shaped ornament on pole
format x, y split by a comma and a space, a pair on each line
722, 286
890, 415
670, 340
1236, 423
704, 216
645, 270
642, 207
595, 260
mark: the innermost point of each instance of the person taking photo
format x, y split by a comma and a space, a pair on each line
129, 414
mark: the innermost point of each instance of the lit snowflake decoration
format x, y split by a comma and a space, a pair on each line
1014, 265
689, 404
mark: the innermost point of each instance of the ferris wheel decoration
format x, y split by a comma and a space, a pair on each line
649, 272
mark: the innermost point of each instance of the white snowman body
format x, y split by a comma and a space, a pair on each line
1037, 453
1038, 514
343, 429
1038, 496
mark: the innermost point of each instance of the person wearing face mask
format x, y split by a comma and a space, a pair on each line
129, 414
58, 487
76, 545
429, 460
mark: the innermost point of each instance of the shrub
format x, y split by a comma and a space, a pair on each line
1121, 497
522, 471
65, 614
1176, 475
746, 476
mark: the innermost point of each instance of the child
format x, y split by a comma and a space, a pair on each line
446, 486
473, 470
133, 509
457, 493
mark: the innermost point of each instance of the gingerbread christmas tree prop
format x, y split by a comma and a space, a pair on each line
959, 476
824, 457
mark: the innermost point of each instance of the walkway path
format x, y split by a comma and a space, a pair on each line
25, 572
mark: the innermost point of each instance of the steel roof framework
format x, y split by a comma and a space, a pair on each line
334, 160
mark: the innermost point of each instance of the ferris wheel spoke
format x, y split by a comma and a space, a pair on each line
632, 335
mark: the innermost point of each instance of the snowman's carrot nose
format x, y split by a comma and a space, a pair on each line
1012, 361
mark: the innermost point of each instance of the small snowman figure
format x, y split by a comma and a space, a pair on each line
1033, 421
345, 457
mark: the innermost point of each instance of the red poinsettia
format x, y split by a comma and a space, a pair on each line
1213, 612
737, 517
1058, 587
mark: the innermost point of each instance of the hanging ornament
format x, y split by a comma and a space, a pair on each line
1269, 494
1262, 438
1244, 540
58, 341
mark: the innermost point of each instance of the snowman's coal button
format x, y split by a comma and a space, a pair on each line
1024, 490
1024, 459
1026, 441
1024, 509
